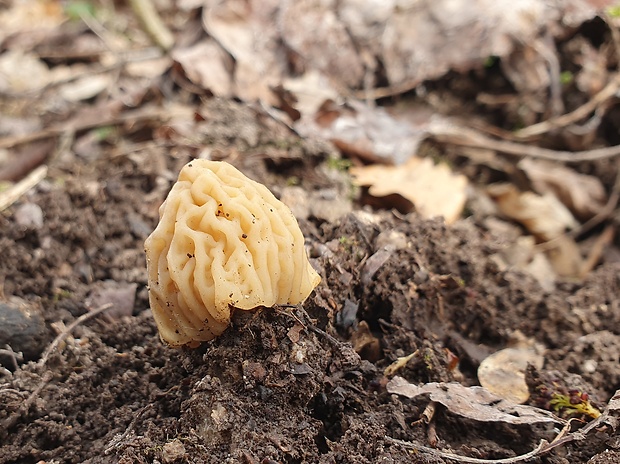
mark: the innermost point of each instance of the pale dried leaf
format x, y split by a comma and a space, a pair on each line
584, 195
521, 255
248, 32
593, 75
149, 68
85, 88
369, 129
315, 32
565, 257
311, 91
30, 15
424, 39
543, 215
208, 66
433, 189
503, 372
474, 403
22, 72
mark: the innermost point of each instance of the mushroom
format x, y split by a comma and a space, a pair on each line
223, 241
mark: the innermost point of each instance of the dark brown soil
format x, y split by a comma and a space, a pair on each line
281, 385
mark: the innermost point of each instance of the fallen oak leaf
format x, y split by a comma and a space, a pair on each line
503, 372
583, 194
433, 189
542, 215
474, 403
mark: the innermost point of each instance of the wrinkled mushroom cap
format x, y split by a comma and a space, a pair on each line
223, 240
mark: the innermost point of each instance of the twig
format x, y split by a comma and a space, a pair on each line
451, 133
595, 254
544, 48
604, 213
15, 192
119, 440
155, 27
15, 357
569, 118
25, 406
542, 448
77, 126
65, 333
457, 457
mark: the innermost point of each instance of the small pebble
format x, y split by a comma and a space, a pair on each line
29, 216
22, 328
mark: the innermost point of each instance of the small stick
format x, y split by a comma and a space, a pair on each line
604, 213
136, 116
25, 406
457, 457
15, 357
569, 118
154, 26
461, 136
602, 241
117, 441
65, 333
14, 193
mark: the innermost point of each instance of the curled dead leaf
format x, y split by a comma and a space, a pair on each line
475, 403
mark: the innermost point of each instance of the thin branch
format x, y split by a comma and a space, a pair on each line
15, 192
153, 24
451, 133
604, 213
119, 440
25, 406
602, 242
457, 457
16, 358
65, 333
569, 118
162, 114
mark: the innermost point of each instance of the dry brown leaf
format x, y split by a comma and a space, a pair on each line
310, 90
248, 31
365, 343
22, 72
543, 215
521, 255
503, 372
26, 16
208, 66
315, 32
565, 257
475, 403
149, 68
433, 189
368, 129
584, 195
85, 87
